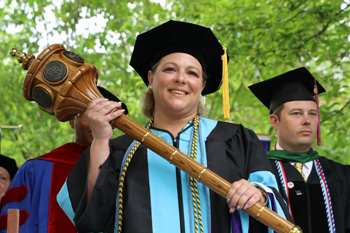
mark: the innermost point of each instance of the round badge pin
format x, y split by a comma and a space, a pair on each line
290, 185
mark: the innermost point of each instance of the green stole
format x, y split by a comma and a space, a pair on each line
283, 155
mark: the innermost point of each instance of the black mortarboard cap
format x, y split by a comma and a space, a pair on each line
9, 164
293, 85
110, 96
175, 36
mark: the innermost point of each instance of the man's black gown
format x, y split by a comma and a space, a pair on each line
306, 199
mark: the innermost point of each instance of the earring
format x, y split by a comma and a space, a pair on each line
150, 86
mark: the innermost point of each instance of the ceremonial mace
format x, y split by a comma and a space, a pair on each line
62, 85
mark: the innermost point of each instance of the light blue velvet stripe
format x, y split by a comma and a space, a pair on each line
64, 202
163, 192
163, 186
206, 126
268, 179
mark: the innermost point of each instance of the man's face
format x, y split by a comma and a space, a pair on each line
5, 181
297, 126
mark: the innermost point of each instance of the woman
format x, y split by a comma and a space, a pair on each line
122, 185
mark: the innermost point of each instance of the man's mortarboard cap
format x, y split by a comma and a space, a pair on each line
175, 36
293, 85
9, 164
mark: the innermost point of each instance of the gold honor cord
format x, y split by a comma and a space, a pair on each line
194, 188
125, 164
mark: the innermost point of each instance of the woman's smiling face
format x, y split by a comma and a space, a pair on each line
177, 83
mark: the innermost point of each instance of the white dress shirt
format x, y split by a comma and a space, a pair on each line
307, 166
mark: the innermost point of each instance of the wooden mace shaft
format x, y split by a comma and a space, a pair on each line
199, 172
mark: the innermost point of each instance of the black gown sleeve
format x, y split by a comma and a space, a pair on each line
234, 152
347, 214
99, 214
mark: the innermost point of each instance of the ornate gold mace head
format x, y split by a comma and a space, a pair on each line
59, 81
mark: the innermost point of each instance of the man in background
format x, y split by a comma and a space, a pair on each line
316, 188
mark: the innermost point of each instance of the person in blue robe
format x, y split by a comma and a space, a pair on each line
34, 188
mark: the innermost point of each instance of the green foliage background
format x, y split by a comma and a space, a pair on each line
264, 38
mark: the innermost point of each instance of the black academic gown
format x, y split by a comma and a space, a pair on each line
306, 200
233, 152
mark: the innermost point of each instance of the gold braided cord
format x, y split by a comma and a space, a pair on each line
194, 189
193, 183
196, 208
129, 155
121, 185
